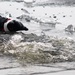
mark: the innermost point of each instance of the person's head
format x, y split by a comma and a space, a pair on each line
13, 26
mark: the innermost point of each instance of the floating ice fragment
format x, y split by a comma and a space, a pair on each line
16, 38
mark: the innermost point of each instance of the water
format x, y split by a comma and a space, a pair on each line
46, 48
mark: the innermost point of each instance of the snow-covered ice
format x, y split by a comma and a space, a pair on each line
45, 42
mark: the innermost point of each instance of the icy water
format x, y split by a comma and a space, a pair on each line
46, 48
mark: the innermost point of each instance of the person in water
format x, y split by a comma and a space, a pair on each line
9, 25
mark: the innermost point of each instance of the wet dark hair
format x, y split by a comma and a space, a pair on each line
16, 26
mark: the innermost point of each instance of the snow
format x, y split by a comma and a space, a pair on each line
28, 0
64, 16
13, 8
36, 70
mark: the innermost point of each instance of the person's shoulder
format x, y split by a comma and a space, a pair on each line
0, 16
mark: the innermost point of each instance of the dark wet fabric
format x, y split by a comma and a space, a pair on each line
2, 21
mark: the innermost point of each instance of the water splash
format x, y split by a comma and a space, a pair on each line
30, 48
